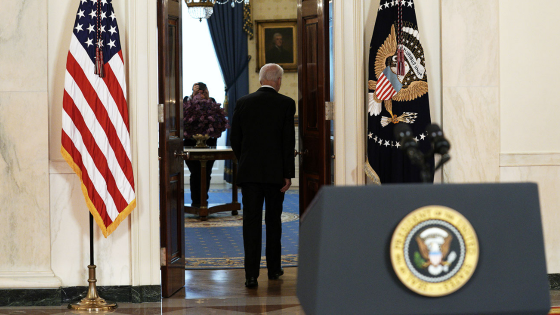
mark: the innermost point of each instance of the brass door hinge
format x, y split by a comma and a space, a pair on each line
161, 116
163, 257
329, 110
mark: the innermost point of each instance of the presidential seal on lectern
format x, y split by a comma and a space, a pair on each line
434, 251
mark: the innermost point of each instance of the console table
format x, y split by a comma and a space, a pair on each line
203, 155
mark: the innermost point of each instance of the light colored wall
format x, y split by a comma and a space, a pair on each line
24, 161
491, 49
529, 67
471, 87
272, 10
530, 107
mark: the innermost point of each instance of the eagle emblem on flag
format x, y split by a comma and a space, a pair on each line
397, 93
413, 84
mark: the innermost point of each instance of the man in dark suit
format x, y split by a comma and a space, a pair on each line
263, 140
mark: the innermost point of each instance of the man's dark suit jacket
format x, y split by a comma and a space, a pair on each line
263, 137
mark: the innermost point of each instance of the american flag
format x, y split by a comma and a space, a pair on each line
95, 128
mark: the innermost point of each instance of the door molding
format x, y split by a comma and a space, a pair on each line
141, 63
349, 92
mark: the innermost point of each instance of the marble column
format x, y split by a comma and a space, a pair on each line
471, 87
25, 258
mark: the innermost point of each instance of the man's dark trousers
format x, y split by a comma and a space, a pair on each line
254, 194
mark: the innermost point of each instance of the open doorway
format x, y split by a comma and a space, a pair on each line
219, 243
172, 42
200, 64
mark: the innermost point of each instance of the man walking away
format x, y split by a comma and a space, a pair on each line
263, 140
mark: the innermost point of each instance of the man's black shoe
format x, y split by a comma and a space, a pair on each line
251, 282
275, 275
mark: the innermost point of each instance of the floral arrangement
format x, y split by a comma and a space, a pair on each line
203, 116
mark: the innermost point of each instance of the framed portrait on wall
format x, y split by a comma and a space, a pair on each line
276, 43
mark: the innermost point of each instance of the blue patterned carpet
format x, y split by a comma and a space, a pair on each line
218, 242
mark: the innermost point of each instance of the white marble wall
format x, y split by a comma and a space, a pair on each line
24, 185
492, 91
70, 236
529, 93
471, 87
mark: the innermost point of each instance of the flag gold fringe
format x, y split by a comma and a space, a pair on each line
371, 173
113, 226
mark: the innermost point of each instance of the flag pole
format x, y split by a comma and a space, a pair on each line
92, 302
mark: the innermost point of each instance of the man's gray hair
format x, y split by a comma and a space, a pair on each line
270, 72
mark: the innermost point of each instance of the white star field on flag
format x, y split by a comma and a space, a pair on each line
386, 5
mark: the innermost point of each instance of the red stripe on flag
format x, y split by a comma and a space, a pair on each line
102, 116
95, 152
93, 196
387, 90
387, 95
382, 87
117, 93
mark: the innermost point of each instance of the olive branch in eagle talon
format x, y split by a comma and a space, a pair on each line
406, 117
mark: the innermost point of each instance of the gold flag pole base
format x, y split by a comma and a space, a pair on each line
92, 302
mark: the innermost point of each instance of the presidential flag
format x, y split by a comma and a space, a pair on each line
95, 128
398, 93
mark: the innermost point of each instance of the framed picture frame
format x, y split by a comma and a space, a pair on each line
277, 43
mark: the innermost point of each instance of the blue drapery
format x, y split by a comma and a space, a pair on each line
230, 43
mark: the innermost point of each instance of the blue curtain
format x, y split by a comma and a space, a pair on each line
230, 42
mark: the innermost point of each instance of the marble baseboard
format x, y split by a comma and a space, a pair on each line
129, 294
60, 296
146, 293
30, 297
109, 293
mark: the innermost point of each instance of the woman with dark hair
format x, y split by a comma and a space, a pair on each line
194, 166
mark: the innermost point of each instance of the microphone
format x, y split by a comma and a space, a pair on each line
403, 134
440, 144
